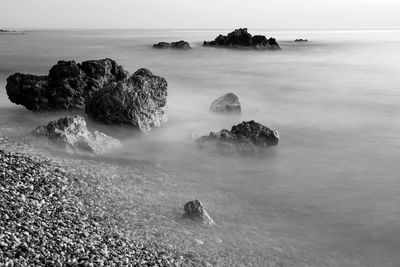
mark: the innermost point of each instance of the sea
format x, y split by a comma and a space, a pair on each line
327, 195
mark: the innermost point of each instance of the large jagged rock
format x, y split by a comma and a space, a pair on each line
176, 45
241, 38
228, 103
67, 87
195, 211
246, 138
72, 134
140, 101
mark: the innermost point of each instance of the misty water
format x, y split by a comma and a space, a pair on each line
328, 194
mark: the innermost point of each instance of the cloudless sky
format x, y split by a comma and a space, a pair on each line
200, 13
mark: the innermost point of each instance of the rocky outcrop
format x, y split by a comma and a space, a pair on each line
67, 87
246, 138
140, 101
228, 103
72, 134
100, 87
195, 211
31, 91
241, 39
176, 45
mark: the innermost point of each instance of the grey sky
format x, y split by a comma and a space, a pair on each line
199, 13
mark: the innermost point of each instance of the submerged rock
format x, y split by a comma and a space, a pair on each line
246, 138
241, 38
140, 101
228, 103
177, 45
194, 210
72, 134
100, 87
67, 86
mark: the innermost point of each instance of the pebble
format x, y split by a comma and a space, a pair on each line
199, 242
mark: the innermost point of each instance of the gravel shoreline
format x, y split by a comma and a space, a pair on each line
50, 217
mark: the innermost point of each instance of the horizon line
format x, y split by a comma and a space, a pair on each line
171, 28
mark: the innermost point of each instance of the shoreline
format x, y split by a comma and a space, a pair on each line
52, 215
139, 203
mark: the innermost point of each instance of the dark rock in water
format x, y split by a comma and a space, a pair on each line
194, 210
246, 138
67, 87
228, 103
7, 31
162, 45
241, 38
101, 87
301, 40
177, 45
31, 91
72, 134
140, 101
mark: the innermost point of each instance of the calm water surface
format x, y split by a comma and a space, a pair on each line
330, 190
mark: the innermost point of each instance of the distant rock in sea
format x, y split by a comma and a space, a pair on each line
301, 40
246, 138
175, 45
195, 211
71, 133
139, 100
8, 31
228, 103
242, 39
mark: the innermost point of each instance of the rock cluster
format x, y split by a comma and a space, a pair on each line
228, 103
246, 138
194, 210
72, 134
45, 222
101, 87
176, 45
240, 38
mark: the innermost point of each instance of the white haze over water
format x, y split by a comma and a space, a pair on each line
329, 193
200, 14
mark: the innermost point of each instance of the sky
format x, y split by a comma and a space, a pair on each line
218, 14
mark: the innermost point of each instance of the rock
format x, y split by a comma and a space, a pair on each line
162, 45
194, 210
177, 45
6, 31
228, 103
301, 40
31, 91
139, 101
72, 134
241, 38
246, 138
67, 86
